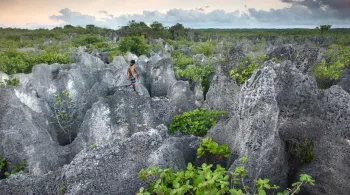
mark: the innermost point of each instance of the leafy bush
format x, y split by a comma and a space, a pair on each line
114, 52
12, 81
209, 146
64, 108
247, 67
206, 48
337, 58
196, 122
196, 73
180, 60
211, 152
135, 44
86, 40
5, 172
205, 180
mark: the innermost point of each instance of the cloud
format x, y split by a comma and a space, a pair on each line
200, 9
73, 18
300, 15
190, 18
297, 15
341, 7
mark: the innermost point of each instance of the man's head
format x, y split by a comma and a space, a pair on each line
132, 62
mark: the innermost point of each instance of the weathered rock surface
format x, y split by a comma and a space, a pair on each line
118, 131
105, 109
344, 80
181, 97
280, 103
223, 93
109, 169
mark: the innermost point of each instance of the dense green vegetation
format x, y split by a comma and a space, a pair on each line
208, 180
134, 44
337, 58
196, 122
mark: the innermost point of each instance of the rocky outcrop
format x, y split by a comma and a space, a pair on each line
104, 109
223, 93
109, 169
280, 103
344, 80
181, 97
161, 76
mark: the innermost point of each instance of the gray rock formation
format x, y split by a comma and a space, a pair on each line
109, 169
105, 109
280, 103
344, 80
161, 76
181, 97
223, 93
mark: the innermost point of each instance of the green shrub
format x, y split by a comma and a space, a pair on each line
113, 53
135, 44
206, 48
210, 146
5, 172
86, 40
247, 67
50, 58
180, 60
196, 73
204, 180
12, 81
196, 122
12, 61
63, 109
329, 70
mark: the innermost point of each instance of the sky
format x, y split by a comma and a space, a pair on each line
191, 13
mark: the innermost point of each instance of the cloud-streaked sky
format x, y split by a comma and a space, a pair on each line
191, 13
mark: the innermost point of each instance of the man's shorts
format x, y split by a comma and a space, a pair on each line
132, 80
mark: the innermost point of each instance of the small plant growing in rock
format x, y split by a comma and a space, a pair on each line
93, 146
206, 180
63, 188
12, 81
247, 67
64, 108
301, 151
209, 147
4, 167
276, 60
196, 122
